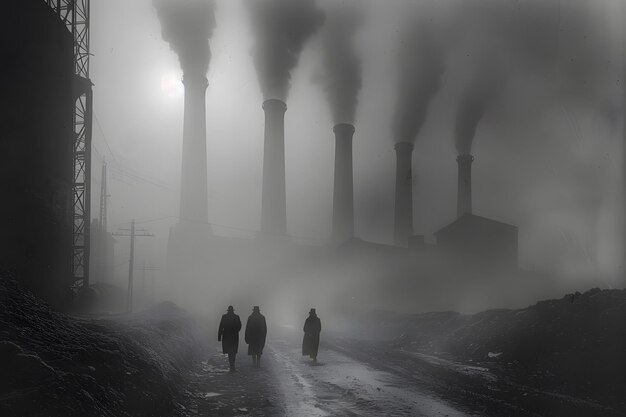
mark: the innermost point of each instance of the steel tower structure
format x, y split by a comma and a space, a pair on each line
75, 16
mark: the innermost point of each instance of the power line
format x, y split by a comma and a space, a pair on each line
126, 170
120, 180
95, 149
131, 172
95, 116
142, 179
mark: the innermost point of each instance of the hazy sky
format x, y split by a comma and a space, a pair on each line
548, 150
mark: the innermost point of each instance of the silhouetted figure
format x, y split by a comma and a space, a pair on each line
256, 331
311, 341
228, 334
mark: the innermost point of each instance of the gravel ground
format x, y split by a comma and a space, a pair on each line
289, 385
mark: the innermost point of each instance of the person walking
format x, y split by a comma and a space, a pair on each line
228, 334
311, 340
256, 331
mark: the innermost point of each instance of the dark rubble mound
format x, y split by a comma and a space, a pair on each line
576, 343
55, 365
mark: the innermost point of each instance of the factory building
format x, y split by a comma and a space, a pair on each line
479, 242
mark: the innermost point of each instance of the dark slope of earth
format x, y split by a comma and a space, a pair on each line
55, 365
574, 346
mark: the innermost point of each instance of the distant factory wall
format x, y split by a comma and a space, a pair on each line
480, 242
36, 109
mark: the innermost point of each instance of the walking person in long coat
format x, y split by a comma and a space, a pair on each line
256, 331
228, 334
311, 341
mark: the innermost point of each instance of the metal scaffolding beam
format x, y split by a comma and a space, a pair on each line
75, 15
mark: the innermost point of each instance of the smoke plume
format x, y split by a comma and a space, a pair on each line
486, 82
420, 66
187, 25
568, 51
341, 75
281, 29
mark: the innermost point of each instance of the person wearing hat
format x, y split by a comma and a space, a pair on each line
256, 331
311, 341
228, 334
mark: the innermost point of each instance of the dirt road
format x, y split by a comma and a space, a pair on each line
288, 384
356, 378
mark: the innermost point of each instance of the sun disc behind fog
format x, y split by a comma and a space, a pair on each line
172, 85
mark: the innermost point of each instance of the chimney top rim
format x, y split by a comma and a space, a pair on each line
404, 145
465, 157
195, 78
275, 102
347, 126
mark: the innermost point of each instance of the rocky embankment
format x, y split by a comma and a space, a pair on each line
56, 365
575, 345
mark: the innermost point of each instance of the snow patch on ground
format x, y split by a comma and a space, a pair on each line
462, 368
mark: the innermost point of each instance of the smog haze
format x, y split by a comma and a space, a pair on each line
533, 90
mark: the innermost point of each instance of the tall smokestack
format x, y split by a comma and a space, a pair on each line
194, 195
403, 227
274, 202
343, 194
464, 192
187, 26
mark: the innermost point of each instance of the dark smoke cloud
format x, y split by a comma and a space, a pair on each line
557, 44
187, 25
486, 83
420, 67
281, 29
341, 75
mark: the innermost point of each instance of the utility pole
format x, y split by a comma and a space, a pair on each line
131, 265
104, 196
